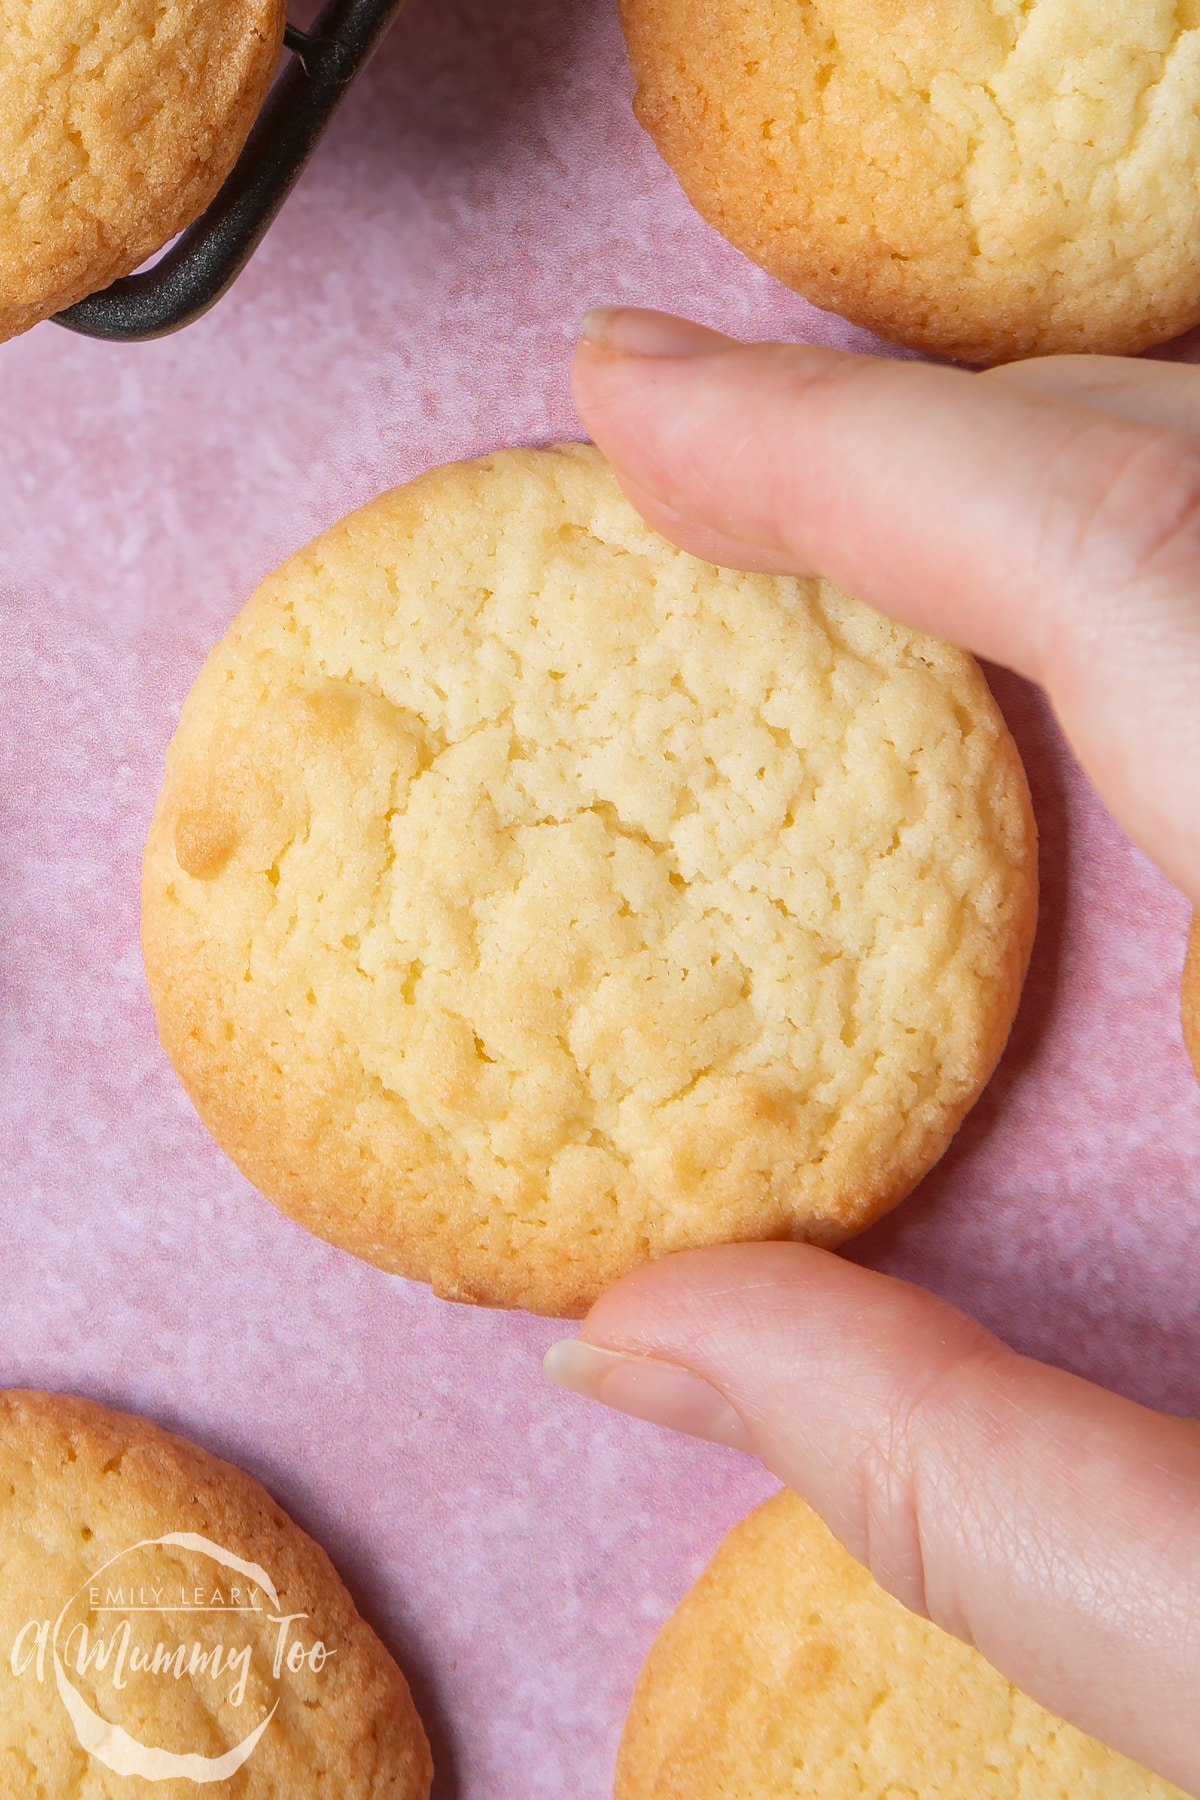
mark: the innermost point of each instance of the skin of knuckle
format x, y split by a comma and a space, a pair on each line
889, 1528
911, 1488
1117, 549
1146, 517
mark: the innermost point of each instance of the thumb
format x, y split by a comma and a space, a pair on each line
1052, 1525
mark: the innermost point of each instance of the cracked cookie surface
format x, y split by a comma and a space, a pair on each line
108, 1526
787, 1670
526, 898
983, 179
118, 123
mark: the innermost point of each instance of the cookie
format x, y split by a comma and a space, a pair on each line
982, 179
161, 1618
117, 126
788, 1671
1191, 996
526, 898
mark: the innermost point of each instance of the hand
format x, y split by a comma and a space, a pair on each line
1047, 515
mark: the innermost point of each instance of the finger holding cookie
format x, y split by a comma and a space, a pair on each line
1048, 516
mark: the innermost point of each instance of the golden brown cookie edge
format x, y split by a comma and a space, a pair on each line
169, 1470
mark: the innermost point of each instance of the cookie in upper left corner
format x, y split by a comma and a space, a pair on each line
118, 124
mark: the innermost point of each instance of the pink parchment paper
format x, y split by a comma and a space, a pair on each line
417, 301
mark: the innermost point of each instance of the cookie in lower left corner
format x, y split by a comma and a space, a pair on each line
165, 1628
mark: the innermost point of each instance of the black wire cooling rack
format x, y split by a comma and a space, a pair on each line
187, 279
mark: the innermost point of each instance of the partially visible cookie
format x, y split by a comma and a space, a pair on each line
165, 1626
526, 899
788, 1671
118, 123
983, 179
1191, 995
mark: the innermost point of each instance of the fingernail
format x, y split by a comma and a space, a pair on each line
661, 1393
638, 331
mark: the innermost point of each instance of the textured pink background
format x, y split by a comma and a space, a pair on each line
416, 302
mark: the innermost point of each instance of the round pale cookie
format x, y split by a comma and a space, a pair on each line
788, 1671
118, 123
145, 1585
526, 899
983, 179
1191, 995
